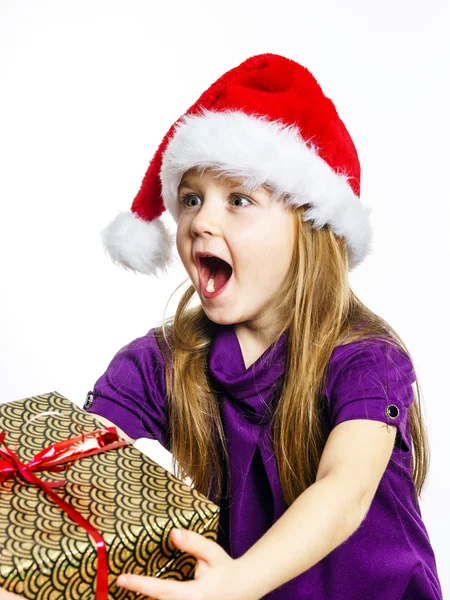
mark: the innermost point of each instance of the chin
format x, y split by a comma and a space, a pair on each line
224, 320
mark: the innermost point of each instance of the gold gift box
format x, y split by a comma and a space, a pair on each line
131, 500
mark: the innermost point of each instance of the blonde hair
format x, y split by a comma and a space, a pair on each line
320, 311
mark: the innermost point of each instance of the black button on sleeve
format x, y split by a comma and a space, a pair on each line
392, 411
89, 400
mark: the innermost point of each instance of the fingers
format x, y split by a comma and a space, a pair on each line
199, 546
159, 589
208, 553
8, 596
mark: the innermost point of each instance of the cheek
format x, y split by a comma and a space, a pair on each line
181, 241
263, 255
184, 247
250, 258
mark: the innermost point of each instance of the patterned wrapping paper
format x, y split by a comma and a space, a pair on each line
130, 499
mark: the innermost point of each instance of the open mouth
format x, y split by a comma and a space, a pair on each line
214, 274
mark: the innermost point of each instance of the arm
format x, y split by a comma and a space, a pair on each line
131, 393
328, 512
108, 423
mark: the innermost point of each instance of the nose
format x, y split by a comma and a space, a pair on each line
206, 220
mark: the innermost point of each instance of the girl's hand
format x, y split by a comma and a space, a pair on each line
217, 575
8, 596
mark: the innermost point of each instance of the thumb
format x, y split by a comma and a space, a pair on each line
197, 545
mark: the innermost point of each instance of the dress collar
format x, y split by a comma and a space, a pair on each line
252, 389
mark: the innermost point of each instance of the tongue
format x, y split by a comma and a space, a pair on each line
220, 276
217, 269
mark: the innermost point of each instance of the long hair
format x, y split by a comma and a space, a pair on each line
319, 310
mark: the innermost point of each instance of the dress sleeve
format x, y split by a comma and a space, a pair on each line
131, 392
370, 379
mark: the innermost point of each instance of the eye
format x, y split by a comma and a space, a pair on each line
184, 198
244, 197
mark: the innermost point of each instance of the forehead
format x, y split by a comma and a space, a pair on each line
190, 176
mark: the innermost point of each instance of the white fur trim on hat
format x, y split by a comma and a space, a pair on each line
267, 152
139, 245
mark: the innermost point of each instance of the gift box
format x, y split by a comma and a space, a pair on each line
130, 500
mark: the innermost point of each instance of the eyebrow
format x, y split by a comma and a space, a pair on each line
187, 180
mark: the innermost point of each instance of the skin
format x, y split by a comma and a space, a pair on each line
257, 241
255, 234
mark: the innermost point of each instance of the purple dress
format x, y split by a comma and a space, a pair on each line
389, 557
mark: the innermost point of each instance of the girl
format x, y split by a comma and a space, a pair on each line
285, 400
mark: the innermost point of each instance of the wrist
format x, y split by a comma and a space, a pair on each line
249, 578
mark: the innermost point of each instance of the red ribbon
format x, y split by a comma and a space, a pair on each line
56, 458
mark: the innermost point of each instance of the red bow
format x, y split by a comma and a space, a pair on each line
55, 458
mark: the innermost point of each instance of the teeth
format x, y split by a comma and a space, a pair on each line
210, 286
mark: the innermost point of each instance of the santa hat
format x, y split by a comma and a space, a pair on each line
266, 121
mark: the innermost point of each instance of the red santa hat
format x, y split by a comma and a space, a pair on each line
266, 121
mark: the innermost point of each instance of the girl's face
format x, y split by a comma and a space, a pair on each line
253, 233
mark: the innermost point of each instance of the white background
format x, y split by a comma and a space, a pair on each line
89, 89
